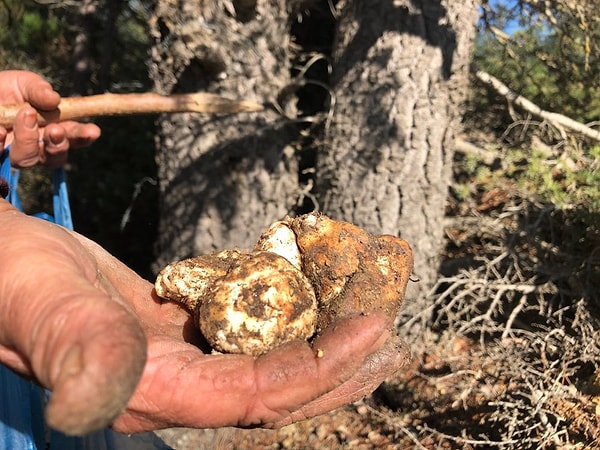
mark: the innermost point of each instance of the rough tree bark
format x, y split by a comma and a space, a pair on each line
222, 179
400, 70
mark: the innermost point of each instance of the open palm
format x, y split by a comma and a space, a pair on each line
84, 325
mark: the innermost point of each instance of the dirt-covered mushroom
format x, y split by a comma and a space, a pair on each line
350, 269
243, 302
260, 304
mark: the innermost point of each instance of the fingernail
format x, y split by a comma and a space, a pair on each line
55, 139
30, 119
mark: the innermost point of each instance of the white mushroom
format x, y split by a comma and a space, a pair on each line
243, 302
262, 303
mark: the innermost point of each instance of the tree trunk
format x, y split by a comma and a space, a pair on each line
222, 179
399, 77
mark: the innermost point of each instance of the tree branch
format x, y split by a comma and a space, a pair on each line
487, 156
558, 120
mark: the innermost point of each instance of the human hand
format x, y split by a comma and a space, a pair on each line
82, 324
31, 143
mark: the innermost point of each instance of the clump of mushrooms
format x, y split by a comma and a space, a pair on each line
303, 274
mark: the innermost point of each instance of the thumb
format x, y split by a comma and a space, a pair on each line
38, 92
92, 366
82, 345
63, 325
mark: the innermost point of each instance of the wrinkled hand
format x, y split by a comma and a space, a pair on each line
32, 144
80, 323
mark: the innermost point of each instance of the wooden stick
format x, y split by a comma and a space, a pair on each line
74, 108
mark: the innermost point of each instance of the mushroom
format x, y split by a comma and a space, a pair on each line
351, 270
243, 302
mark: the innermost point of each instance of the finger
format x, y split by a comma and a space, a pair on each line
38, 92
225, 390
354, 337
377, 367
97, 375
18, 86
60, 138
76, 337
52, 149
25, 148
55, 146
79, 134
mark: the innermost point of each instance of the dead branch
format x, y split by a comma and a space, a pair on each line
558, 120
487, 156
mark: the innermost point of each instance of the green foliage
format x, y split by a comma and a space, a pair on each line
571, 181
548, 52
462, 191
27, 35
469, 167
551, 56
36, 31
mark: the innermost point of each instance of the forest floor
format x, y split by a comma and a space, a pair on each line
506, 357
